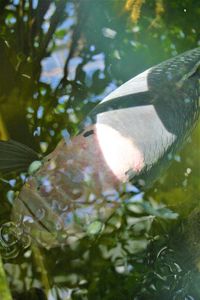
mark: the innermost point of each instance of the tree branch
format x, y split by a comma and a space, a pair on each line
55, 20
42, 8
75, 38
36, 18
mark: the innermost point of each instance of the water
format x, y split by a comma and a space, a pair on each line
149, 249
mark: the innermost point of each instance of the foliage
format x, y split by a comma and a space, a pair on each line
58, 59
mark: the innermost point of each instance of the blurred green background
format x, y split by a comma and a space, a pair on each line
58, 60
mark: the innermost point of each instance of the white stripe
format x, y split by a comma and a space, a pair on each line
137, 84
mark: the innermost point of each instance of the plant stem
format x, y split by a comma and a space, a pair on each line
5, 293
39, 262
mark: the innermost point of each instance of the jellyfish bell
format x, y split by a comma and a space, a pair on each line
58, 204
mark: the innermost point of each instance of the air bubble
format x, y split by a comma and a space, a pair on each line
40, 213
12, 240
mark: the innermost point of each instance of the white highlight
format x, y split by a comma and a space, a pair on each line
119, 152
135, 85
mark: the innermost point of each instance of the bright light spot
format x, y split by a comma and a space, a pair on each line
119, 152
40, 112
43, 146
109, 33
65, 134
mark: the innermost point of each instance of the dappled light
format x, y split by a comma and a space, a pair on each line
89, 212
